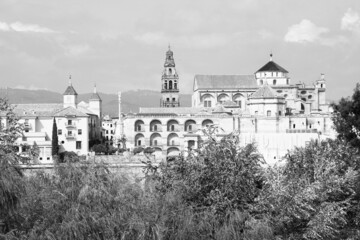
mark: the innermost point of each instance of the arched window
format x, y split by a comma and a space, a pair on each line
170, 85
139, 142
155, 142
172, 127
165, 85
175, 85
268, 113
170, 71
274, 82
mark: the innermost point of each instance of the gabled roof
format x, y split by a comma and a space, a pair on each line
95, 96
70, 111
37, 109
70, 91
265, 92
224, 81
272, 66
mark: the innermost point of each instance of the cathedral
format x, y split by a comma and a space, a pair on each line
265, 107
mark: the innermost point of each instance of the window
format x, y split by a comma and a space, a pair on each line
287, 81
175, 85
173, 142
268, 113
274, 82
69, 122
155, 128
107, 131
279, 113
78, 144
110, 125
79, 131
173, 99
26, 130
167, 99
207, 103
112, 132
69, 133
139, 142
62, 142
256, 112
261, 82
155, 142
170, 85
172, 127
59, 131
294, 125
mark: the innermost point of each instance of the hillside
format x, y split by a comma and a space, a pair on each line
131, 100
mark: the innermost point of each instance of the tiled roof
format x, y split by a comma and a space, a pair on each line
70, 91
272, 66
220, 109
70, 111
95, 96
34, 110
224, 81
265, 92
175, 110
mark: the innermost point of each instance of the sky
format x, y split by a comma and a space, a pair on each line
120, 45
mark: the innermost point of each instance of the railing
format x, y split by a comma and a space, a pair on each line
70, 125
70, 136
301, 130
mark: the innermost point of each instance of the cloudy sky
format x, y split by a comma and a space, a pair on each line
121, 45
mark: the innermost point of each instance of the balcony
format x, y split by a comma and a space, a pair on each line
70, 125
70, 136
27, 126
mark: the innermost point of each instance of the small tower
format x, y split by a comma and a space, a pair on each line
70, 96
272, 73
169, 83
320, 91
95, 103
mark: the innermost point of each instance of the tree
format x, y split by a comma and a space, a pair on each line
11, 180
315, 195
346, 118
54, 140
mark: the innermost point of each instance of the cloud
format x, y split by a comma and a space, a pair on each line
201, 41
304, 32
21, 27
31, 87
76, 50
351, 21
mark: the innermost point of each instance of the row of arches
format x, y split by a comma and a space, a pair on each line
170, 85
238, 98
157, 140
171, 126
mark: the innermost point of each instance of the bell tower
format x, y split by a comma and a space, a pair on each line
169, 83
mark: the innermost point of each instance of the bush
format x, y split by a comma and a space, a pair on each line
138, 150
99, 148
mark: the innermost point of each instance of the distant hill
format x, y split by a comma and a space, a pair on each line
131, 100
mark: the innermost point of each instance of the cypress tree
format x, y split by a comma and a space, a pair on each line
55, 140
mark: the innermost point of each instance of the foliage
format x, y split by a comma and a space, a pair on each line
68, 157
149, 150
346, 118
11, 181
99, 148
54, 140
312, 195
105, 149
138, 150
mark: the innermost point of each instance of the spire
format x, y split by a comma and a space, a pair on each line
95, 95
70, 89
271, 56
169, 60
